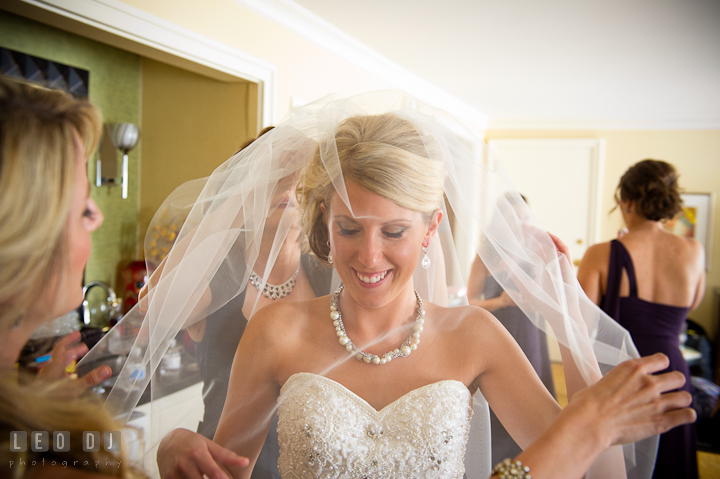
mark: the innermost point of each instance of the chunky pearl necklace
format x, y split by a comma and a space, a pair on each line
273, 291
408, 346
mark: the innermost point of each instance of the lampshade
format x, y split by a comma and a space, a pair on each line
124, 136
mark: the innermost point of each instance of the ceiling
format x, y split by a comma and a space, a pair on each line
553, 63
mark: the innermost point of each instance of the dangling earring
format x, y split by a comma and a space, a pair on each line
426, 259
329, 254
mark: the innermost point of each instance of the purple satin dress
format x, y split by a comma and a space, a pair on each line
655, 328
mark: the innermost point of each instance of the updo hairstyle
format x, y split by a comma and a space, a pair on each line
37, 181
384, 154
653, 186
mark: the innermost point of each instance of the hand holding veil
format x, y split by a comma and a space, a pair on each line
219, 245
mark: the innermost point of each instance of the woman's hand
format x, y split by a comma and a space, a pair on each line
628, 404
67, 350
561, 247
631, 403
189, 455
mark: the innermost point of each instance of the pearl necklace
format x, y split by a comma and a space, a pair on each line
275, 291
408, 346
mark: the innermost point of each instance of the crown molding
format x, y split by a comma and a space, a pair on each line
305, 23
585, 124
132, 29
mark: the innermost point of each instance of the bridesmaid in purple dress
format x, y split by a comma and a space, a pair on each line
648, 281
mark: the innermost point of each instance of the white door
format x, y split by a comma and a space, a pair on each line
561, 178
562, 181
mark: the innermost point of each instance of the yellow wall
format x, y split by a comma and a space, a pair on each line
696, 155
304, 69
190, 125
115, 90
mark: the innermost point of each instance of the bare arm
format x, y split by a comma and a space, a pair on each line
590, 271
627, 405
252, 391
511, 385
700, 290
478, 274
167, 269
245, 420
476, 283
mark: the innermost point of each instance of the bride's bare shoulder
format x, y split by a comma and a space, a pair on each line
464, 319
474, 335
289, 315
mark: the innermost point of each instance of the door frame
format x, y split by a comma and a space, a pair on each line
596, 151
128, 28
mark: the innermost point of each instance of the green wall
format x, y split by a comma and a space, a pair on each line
115, 89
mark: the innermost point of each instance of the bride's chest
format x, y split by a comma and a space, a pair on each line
322, 425
377, 384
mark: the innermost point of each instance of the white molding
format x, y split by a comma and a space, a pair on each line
305, 23
586, 124
152, 36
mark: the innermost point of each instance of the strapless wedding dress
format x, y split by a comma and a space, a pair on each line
326, 430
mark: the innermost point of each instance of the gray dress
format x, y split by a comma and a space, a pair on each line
216, 351
534, 344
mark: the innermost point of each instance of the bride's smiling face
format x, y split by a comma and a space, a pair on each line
376, 251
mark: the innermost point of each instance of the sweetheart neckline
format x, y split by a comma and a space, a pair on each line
355, 396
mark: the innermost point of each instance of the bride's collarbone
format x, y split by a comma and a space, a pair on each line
377, 384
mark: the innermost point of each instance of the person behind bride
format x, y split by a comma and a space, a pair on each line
372, 380
294, 276
484, 291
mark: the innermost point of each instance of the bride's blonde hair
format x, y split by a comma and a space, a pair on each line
384, 154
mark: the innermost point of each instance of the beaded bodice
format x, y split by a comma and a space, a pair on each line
325, 430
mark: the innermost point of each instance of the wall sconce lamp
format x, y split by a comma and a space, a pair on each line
121, 136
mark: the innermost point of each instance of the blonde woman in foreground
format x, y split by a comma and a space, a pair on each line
47, 216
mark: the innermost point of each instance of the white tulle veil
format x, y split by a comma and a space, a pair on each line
215, 226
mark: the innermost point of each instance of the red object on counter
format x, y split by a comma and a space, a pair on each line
134, 278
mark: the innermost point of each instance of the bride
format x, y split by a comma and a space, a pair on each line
372, 381
378, 379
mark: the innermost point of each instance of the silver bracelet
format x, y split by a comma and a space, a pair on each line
509, 469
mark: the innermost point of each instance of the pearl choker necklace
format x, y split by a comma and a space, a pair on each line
275, 291
408, 346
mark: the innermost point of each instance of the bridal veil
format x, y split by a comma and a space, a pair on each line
212, 229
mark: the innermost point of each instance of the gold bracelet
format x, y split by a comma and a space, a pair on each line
511, 470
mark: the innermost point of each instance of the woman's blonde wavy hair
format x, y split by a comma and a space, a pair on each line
40, 406
37, 181
38, 129
384, 154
